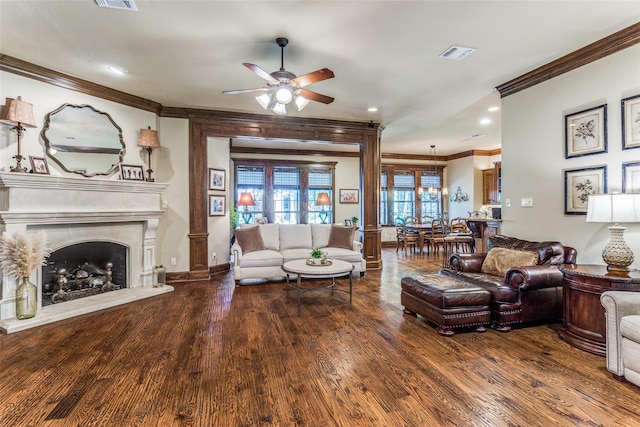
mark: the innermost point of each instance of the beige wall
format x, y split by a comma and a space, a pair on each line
219, 226
170, 162
172, 167
533, 153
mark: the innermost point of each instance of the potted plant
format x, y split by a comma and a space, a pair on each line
19, 256
234, 222
317, 256
354, 220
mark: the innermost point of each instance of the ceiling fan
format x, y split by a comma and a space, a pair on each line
284, 87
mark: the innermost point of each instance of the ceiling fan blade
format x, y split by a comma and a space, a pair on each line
257, 89
314, 77
261, 73
314, 96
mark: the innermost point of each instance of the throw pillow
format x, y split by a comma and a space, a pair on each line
341, 237
499, 260
249, 239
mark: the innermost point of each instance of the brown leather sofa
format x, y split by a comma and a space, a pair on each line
525, 293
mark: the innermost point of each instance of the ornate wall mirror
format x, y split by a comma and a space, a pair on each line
83, 140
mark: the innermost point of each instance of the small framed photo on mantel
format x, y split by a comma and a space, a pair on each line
39, 165
131, 172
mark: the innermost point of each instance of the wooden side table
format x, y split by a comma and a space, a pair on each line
583, 324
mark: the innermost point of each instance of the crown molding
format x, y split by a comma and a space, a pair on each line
611, 44
46, 75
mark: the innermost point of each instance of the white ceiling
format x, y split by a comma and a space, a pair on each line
184, 53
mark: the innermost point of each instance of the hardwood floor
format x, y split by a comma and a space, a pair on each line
212, 354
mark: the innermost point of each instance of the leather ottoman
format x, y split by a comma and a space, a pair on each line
447, 302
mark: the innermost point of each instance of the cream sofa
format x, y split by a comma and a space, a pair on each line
623, 334
286, 242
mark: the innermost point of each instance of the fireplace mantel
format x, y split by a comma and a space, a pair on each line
73, 210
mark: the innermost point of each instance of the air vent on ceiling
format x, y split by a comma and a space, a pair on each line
118, 4
457, 52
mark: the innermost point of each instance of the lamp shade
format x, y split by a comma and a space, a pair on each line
246, 199
17, 111
323, 199
148, 138
617, 208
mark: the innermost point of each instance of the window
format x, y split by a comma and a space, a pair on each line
286, 195
250, 179
320, 181
286, 191
404, 195
403, 192
384, 211
428, 206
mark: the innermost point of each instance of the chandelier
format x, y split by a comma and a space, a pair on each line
434, 192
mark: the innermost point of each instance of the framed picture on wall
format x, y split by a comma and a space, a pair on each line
131, 172
631, 122
216, 179
585, 132
631, 177
39, 165
216, 205
349, 196
579, 184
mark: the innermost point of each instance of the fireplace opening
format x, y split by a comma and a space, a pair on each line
83, 269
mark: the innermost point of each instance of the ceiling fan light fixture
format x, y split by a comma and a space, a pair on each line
301, 102
264, 100
279, 109
284, 94
283, 87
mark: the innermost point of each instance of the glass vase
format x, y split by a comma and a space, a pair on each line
26, 299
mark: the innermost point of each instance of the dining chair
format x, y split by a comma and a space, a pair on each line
406, 238
458, 225
436, 236
426, 220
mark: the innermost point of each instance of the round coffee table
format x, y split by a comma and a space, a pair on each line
337, 268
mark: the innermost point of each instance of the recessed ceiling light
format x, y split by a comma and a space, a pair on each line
118, 70
492, 109
485, 121
372, 109
457, 52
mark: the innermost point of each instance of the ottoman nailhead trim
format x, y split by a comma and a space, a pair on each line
457, 316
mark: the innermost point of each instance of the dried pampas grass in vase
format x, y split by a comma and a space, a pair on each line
19, 256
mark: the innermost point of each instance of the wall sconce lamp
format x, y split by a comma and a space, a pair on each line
459, 196
149, 140
18, 113
246, 200
615, 208
323, 200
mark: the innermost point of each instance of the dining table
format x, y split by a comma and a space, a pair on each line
422, 230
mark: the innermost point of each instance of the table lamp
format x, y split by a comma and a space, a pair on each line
149, 140
615, 208
246, 199
18, 113
323, 200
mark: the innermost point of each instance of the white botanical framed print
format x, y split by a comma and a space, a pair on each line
631, 177
586, 132
631, 122
579, 184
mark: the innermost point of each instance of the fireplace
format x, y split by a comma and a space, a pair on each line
120, 217
82, 270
